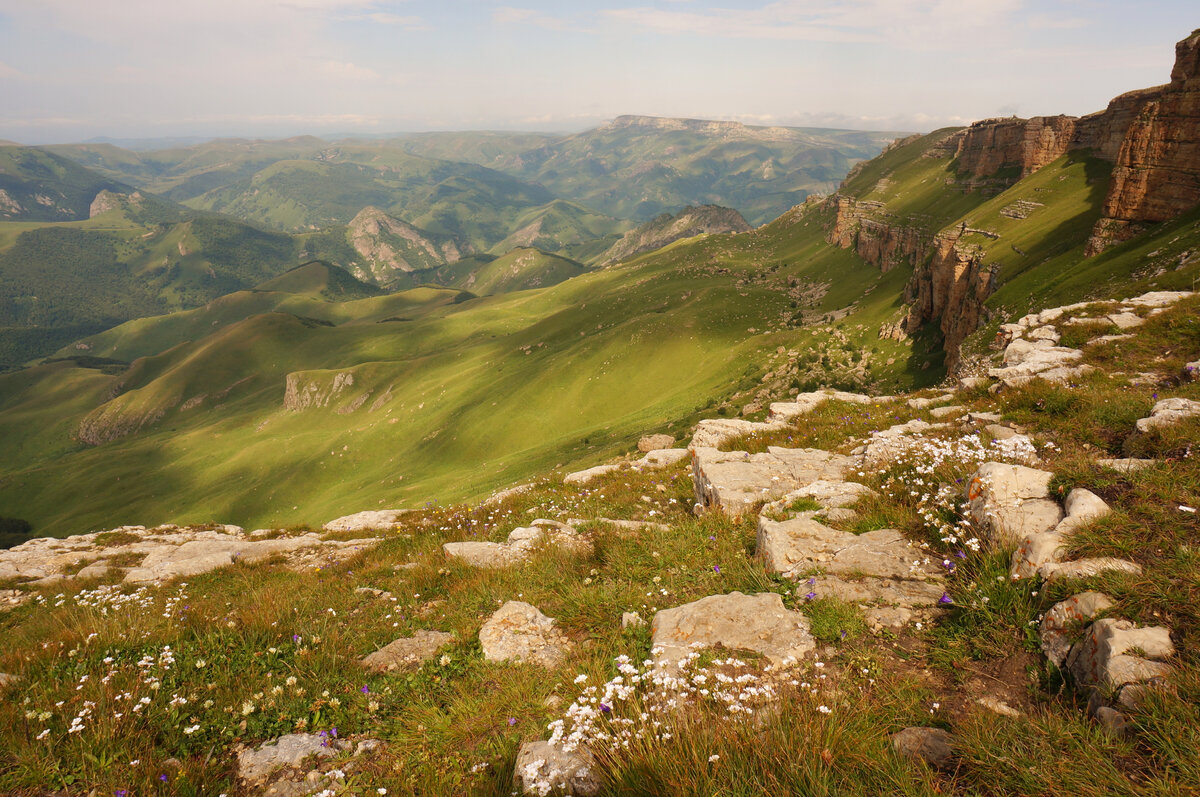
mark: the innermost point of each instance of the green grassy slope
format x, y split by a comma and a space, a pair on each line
557, 225
455, 400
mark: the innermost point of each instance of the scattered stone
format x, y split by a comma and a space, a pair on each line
827, 494
999, 432
509, 492
255, 766
1128, 465
631, 620
543, 768
797, 546
1158, 298
628, 525
652, 442
741, 622
661, 458
1068, 616
1087, 568
1191, 371
997, 706
1134, 696
1112, 721
947, 412
377, 520
519, 632
1047, 547
734, 482
925, 403
1100, 341
521, 544
713, 432
1126, 320
1048, 333
1169, 412
1102, 658
883, 446
1010, 502
585, 476
934, 746
983, 417
1025, 360
974, 382
407, 653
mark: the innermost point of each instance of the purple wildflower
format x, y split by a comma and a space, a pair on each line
945, 599
960, 554
605, 708
716, 568
809, 596
512, 721
121, 793
163, 778
366, 690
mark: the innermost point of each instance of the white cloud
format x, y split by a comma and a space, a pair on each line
344, 70
9, 72
507, 15
908, 23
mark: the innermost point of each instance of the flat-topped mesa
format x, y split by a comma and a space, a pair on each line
1157, 173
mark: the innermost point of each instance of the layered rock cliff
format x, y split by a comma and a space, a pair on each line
668, 228
1152, 136
1157, 173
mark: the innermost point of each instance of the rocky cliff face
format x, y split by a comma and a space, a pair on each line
949, 289
882, 242
1157, 173
1025, 145
390, 245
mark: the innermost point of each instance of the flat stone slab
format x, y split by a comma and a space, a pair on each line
1113, 653
886, 445
585, 476
947, 412
737, 621
543, 768
713, 432
735, 482
1087, 568
827, 495
1010, 502
407, 653
794, 547
1169, 412
519, 632
654, 442
374, 520
1063, 624
521, 544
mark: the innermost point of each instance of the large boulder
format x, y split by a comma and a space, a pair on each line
744, 622
934, 746
257, 765
519, 632
1114, 652
1010, 502
543, 769
519, 546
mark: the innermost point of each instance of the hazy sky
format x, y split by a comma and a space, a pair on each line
73, 69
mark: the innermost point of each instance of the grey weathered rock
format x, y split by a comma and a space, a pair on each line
934, 746
973, 382
792, 547
1025, 360
585, 476
661, 458
733, 482
947, 412
1113, 653
519, 632
925, 403
1169, 412
1009, 502
1112, 721
1128, 465
380, 519
1048, 547
1191, 371
713, 432
1126, 320
521, 543
651, 442
543, 768
255, 766
827, 494
407, 653
1087, 568
509, 492
883, 446
1000, 432
1064, 622
737, 621
1158, 298
983, 418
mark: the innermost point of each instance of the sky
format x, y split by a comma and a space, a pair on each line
71, 70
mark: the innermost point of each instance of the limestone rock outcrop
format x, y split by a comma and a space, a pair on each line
735, 621
518, 632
